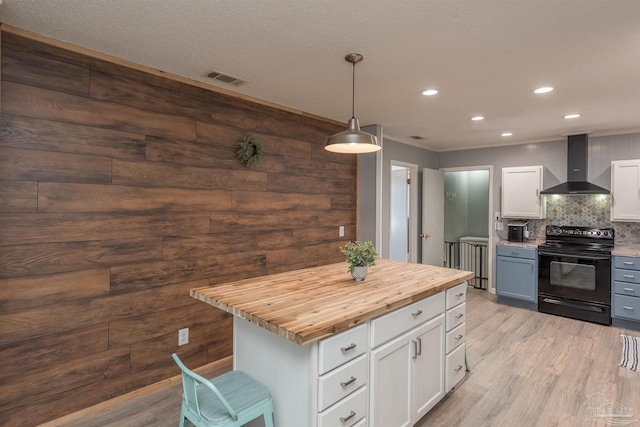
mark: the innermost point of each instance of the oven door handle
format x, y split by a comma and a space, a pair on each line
592, 257
568, 304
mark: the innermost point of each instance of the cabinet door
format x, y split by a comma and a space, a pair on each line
521, 196
390, 382
516, 278
625, 190
428, 377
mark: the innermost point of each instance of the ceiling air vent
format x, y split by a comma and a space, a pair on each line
226, 78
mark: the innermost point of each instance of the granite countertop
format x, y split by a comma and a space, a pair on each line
306, 305
626, 249
620, 249
528, 243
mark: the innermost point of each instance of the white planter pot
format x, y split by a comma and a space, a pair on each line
359, 273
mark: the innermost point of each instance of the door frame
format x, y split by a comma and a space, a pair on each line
413, 209
491, 286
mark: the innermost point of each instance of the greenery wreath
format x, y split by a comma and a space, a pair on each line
250, 151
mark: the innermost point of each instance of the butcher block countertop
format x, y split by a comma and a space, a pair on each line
306, 305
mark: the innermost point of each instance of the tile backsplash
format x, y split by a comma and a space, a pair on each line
590, 210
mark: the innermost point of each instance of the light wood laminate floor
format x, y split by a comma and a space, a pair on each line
527, 369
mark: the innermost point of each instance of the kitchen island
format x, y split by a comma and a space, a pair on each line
326, 345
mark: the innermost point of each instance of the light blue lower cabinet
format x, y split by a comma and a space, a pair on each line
625, 292
517, 276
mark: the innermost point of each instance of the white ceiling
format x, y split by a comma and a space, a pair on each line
484, 56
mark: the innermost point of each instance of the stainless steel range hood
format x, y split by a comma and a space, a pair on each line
577, 162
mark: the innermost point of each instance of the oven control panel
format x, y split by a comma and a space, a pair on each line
580, 232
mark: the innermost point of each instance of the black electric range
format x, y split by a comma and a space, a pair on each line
574, 272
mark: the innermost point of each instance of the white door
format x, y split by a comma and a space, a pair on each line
432, 217
403, 213
399, 209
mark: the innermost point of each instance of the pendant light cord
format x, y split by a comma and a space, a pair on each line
353, 93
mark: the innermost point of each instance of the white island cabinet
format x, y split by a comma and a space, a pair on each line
304, 395
407, 372
336, 353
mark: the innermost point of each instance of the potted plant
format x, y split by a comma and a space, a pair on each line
359, 256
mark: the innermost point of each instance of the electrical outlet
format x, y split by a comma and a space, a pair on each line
497, 216
183, 336
341, 231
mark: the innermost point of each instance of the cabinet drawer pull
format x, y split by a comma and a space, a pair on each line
628, 276
458, 368
461, 294
629, 263
459, 315
459, 337
349, 382
417, 313
629, 289
515, 253
348, 417
626, 307
349, 348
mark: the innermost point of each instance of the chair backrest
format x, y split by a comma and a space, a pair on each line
190, 382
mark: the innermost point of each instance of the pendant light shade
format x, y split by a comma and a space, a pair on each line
352, 140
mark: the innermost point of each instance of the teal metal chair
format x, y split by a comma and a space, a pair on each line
230, 400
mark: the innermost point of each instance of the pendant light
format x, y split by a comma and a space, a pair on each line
352, 140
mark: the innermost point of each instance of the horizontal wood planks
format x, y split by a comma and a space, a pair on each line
306, 305
120, 191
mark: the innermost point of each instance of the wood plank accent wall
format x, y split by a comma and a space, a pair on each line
120, 191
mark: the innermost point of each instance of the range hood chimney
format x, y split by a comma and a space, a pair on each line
577, 162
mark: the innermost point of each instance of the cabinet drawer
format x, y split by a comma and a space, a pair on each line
515, 252
624, 288
455, 316
456, 295
627, 307
341, 348
631, 276
342, 381
626, 262
398, 322
454, 368
455, 337
347, 412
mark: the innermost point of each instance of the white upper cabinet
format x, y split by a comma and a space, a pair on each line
625, 190
521, 187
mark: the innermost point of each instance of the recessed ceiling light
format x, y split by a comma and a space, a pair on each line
507, 134
429, 92
477, 118
572, 116
544, 89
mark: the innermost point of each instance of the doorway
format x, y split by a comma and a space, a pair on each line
467, 224
403, 211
